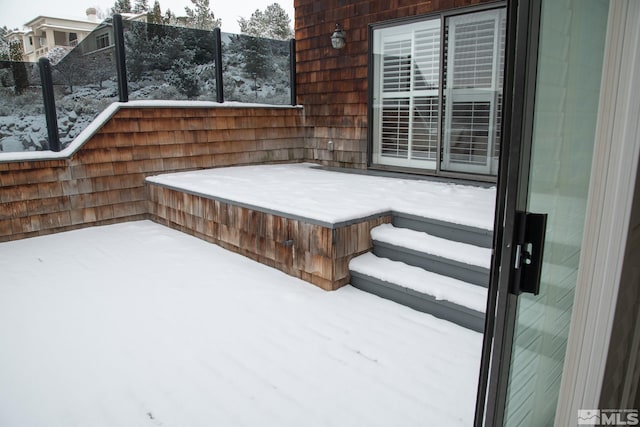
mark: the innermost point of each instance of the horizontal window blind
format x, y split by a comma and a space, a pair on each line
469, 132
502, 41
427, 59
473, 59
395, 127
396, 67
425, 121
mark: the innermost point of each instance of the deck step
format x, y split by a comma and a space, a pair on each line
447, 230
462, 261
444, 297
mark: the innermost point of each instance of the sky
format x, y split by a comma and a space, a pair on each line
14, 14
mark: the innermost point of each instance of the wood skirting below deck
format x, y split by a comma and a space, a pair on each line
316, 253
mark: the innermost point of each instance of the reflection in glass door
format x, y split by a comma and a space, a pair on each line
569, 68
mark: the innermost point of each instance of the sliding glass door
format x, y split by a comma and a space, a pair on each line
572, 38
555, 94
437, 92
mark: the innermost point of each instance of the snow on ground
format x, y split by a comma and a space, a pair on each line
137, 324
332, 197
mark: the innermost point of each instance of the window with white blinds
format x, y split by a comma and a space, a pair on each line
420, 121
406, 96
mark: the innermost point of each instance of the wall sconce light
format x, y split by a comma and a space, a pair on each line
337, 38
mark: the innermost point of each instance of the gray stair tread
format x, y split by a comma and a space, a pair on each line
428, 244
422, 281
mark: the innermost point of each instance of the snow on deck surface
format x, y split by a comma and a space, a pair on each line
333, 197
136, 324
426, 243
426, 282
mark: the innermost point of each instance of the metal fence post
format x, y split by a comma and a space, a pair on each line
121, 63
217, 35
49, 104
292, 70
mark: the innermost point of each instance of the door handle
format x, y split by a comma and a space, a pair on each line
529, 251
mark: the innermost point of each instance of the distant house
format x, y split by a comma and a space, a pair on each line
44, 33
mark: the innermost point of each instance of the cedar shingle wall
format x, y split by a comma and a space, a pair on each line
315, 253
332, 84
103, 182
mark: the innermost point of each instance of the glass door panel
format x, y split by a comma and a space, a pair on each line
570, 55
475, 62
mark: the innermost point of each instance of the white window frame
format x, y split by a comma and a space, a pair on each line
399, 33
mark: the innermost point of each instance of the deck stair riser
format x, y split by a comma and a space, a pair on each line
463, 316
455, 232
445, 266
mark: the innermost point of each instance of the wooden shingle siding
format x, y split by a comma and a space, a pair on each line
311, 252
103, 182
332, 84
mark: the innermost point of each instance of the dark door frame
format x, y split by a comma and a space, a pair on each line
523, 22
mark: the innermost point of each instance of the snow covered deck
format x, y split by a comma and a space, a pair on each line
330, 198
306, 221
137, 324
